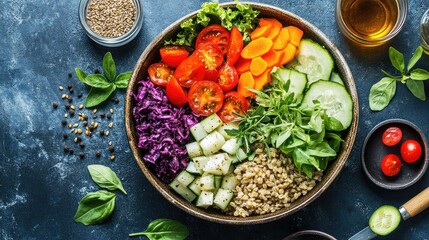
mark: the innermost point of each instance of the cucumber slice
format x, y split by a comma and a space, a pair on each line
229, 182
231, 146
218, 164
192, 169
212, 143
198, 132
207, 182
185, 178
298, 80
229, 125
335, 77
193, 149
211, 122
335, 99
384, 220
223, 198
280, 74
200, 162
313, 60
183, 191
205, 199
195, 186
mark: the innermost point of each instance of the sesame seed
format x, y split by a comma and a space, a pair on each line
61, 88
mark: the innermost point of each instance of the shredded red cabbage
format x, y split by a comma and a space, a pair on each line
162, 129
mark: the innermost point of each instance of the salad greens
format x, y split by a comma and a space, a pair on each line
165, 229
243, 17
105, 177
382, 92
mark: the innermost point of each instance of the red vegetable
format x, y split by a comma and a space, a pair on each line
392, 136
189, 71
228, 77
214, 33
391, 165
160, 73
175, 93
205, 98
232, 103
173, 55
411, 151
235, 46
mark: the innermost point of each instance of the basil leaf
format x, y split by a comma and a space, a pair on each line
419, 74
109, 68
105, 177
316, 121
97, 81
321, 150
81, 75
98, 95
416, 56
417, 88
95, 207
308, 170
164, 229
397, 59
382, 93
390, 75
283, 137
122, 79
333, 124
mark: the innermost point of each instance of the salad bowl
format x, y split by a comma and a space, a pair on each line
151, 55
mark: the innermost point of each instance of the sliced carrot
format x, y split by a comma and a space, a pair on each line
275, 26
282, 39
258, 66
288, 54
295, 35
245, 81
272, 58
242, 65
257, 48
262, 80
260, 31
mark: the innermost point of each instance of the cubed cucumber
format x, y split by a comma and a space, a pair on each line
218, 164
218, 182
230, 126
223, 198
200, 162
231, 146
195, 186
192, 169
207, 182
194, 149
183, 191
229, 182
205, 199
211, 122
185, 178
212, 143
241, 155
198, 132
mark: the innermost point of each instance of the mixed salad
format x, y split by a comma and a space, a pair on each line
228, 81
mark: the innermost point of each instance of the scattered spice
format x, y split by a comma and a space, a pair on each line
81, 154
61, 88
111, 149
66, 149
69, 74
79, 95
71, 151
82, 145
55, 105
64, 122
67, 106
97, 154
112, 158
65, 136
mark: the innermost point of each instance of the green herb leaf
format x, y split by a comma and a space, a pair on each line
382, 93
97, 81
333, 124
109, 68
322, 150
415, 58
122, 79
417, 88
95, 207
164, 229
397, 59
105, 177
283, 137
81, 75
98, 95
419, 74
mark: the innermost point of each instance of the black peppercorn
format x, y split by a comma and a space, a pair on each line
64, 122
111, 149
81, 155
66, 149
55, 105
97, 154
65, 136
82, 145
79, 95
67, 106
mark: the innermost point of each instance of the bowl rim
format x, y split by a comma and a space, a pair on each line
341, 64
425, 147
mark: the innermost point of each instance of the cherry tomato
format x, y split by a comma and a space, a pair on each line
235, 46
210, 54
214, 33
160, 73
211, 75
189, 71
411, 151
205, 97
232, 103
391, 165
173, 55
228, 77
175, 93
392, 136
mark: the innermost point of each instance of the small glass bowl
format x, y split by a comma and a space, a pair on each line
111, 41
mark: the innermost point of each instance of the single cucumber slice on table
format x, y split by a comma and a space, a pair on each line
384, 220
335, 99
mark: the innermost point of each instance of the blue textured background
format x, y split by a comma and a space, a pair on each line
42, 41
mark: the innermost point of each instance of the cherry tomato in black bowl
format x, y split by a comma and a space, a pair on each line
411, 151
391, 165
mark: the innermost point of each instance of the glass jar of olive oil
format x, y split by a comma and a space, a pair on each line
424, 32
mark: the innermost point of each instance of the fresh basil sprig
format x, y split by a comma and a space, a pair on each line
164, 229
105, 177
382, 92
103, 85
95, 207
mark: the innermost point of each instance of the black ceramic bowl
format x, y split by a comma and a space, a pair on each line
374, 150
309, 235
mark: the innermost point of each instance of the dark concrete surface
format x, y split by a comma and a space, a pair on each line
40, 186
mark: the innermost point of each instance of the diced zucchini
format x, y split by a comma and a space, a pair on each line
183, 191
223, 198
194, 149
200, 162
205, 199
211, 122
241, 155
185, 178
230, 169
198, 132
192, 169
212, 143
229, 125
231, 146
218, 182
195, 186
229, 182
207, 182
218, 164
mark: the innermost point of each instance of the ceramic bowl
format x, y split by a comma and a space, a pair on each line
151, 55
309, 235
374, 150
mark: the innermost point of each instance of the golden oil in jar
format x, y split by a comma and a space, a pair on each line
424, 32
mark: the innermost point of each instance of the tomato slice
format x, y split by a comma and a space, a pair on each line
210, 54
211, 75
214, 33
160, 73
391, 165
189, 71
176, 94
411, 151
392, 136
173, 55
232, 103
228, 77
205, 97
235, 46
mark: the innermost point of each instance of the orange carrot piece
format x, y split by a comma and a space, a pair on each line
257, 48
275, 26
282, 39
258, 66
261, 31
262, 80
272, 58
295, 35
245, 81
288, 54
242, 65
